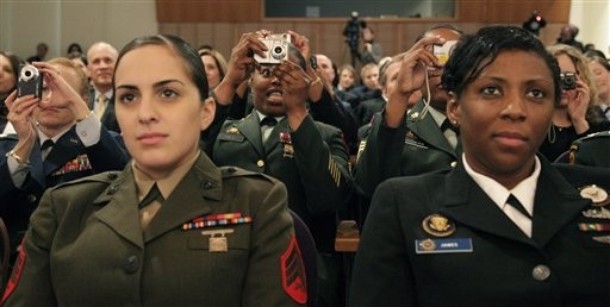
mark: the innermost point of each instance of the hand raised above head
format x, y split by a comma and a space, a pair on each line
241, 62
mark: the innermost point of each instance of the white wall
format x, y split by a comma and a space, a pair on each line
24, 23
592, 17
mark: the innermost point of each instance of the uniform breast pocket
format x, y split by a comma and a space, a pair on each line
414, 145
231, 137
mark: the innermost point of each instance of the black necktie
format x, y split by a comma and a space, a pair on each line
447, 125
269, 121
153, 194
515, 203
46, 148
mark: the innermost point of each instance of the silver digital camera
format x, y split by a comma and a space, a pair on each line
277, 49
30, 81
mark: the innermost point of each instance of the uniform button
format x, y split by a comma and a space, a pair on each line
207, 185
453, 164
541, 272
32, 198
260, 163
131, 264
113, 189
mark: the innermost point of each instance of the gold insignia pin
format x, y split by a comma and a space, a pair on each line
288, 151
438, 225
414, 115
232, 130
596, 194
217, 242
427, 245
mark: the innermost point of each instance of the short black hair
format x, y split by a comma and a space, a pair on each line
475, 52
192, 61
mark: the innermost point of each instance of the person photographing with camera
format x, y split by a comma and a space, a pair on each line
280, 138
574, 117
56, 140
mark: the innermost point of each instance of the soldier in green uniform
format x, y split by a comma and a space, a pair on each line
592, 150
280, 138
401, 143
171, 229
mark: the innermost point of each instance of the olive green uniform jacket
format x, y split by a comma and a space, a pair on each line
592, 150
416, 147
86, 247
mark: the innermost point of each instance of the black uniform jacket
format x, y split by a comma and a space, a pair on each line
311, 162
487, 261
69, 159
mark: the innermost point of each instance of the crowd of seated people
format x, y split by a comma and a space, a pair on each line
326, 143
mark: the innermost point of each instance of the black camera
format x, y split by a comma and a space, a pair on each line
30, 82
568, 81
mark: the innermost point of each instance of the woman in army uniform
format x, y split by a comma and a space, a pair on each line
505, 227
170, 229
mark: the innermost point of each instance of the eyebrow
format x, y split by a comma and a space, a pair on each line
155, 85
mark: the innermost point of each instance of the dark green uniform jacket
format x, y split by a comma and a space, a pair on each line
86, 247
592, 150
414, 148
311, 162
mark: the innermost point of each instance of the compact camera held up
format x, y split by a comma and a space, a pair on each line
30, 81
277, 45
443, 52
567, 81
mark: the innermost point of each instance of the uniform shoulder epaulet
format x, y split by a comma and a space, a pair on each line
596, 135
8, 136
232, 171
105, 177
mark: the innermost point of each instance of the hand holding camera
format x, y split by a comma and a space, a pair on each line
277, 49
30, 81
58, 93
578, 95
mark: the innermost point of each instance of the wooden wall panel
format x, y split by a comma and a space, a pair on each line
208, 10
221, 23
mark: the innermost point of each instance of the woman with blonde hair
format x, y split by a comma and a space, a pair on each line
575, 115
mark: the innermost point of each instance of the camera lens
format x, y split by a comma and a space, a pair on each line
278, 52
28, 72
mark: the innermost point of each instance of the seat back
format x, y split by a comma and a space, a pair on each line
5, 246
309, 252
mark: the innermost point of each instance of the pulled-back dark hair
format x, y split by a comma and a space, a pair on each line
475, 52
192, 61
16, 64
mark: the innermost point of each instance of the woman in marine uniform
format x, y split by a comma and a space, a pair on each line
171, 229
